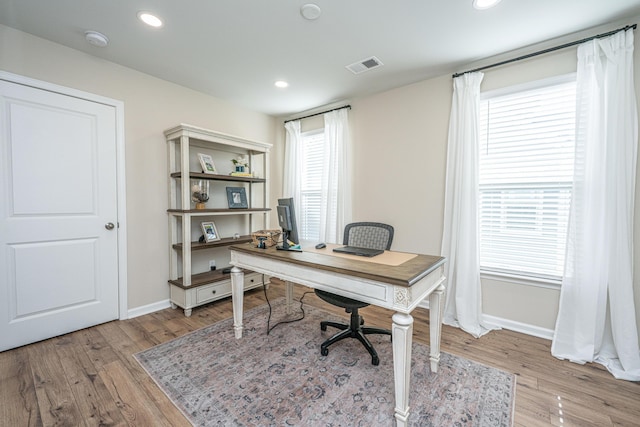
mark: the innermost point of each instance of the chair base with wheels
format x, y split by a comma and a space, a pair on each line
354, 329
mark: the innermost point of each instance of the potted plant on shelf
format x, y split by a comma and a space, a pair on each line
241, 165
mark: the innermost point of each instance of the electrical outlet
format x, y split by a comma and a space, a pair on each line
212, 264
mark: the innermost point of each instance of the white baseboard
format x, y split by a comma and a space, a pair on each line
512, 325
149, 308
523, 328
500, 322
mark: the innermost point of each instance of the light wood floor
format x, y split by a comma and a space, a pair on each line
90, 378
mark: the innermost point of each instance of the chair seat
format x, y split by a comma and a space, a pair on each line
339, 300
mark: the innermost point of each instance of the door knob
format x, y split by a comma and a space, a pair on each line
109, 226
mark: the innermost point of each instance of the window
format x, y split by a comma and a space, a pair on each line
311, 185
526, 152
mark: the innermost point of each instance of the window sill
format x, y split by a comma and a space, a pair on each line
521, 280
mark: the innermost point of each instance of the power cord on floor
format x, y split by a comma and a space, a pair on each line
270, 328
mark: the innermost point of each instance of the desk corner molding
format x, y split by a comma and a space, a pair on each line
400, 296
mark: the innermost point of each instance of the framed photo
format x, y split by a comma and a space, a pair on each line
237, 197
209, 231
207, 163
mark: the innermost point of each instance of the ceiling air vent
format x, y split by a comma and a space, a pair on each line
364, 65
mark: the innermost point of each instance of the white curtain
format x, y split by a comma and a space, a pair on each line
336, 177
463, 306
596, 319
293, 163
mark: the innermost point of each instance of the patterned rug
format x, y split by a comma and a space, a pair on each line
281, 379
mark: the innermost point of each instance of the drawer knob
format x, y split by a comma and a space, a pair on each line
213, 291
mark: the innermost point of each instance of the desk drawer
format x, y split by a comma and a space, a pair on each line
253, 280
213, 292
222, 289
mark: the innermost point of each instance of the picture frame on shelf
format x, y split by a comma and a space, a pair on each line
209, 231
206, 162
237, 198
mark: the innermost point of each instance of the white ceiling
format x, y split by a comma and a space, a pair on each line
237, 49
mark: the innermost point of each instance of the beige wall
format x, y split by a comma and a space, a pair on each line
151, 106
400, 140
399, 166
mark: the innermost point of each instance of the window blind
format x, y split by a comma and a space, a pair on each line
311, 191
526, 153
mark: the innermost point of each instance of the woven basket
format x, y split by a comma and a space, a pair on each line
272, 237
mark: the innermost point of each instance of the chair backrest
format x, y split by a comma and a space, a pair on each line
372, 235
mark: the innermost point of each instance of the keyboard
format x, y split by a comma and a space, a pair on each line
353, 250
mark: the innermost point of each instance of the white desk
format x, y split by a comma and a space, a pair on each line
397, 287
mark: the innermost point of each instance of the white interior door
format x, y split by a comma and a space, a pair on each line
58, 197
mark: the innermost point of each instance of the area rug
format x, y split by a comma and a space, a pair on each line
280, 379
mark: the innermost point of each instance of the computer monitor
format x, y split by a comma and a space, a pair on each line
287, 221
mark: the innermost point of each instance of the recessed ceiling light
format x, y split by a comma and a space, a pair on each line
96, 38
281, 83
310, 11
150, 19
484, 4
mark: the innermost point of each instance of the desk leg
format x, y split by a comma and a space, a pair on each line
288, 295
402, 330
436, 312
237, 297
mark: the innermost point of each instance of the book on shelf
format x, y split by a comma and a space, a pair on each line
248, 174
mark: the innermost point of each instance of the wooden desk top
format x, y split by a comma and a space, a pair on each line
405, 274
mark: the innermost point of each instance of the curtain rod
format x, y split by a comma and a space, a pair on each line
541, 52
317, 114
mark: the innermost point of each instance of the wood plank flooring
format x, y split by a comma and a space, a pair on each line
89, 377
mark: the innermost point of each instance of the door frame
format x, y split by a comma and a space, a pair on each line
120, 170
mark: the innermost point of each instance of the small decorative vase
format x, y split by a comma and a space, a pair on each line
199, 192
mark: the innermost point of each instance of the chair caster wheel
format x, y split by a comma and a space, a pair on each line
375, 360
324, 351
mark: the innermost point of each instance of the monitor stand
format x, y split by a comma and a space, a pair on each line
285, 244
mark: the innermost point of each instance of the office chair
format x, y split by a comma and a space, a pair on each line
373, 235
